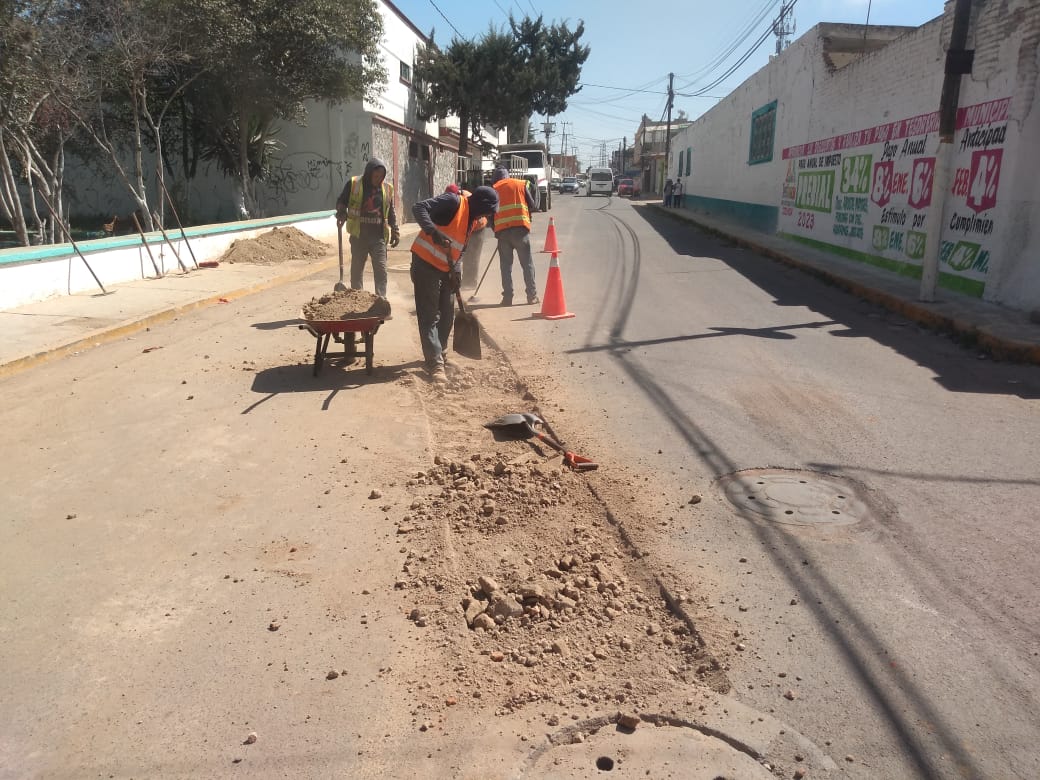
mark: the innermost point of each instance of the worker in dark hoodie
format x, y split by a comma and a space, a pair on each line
446, 222
366, 205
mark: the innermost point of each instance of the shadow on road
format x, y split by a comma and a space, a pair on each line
956, 366
903, 704
334, 377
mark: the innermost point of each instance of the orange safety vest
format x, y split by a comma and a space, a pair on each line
512, 205
457, 230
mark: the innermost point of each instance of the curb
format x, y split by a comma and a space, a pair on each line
1000, 347
128, 327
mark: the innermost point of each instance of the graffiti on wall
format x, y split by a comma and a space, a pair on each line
871, 190
305, 172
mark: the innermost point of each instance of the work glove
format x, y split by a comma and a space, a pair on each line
440, 239
341, 217
454, 281
395, 237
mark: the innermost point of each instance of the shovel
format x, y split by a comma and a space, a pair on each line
466, 340
340, 287
522, 426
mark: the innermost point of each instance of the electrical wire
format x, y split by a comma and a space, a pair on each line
787, 8
445, 18
717, 61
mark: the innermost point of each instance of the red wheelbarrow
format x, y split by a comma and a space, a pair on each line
351, 333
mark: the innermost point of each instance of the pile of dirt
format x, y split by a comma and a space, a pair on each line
346, 305
515, 563
275, 246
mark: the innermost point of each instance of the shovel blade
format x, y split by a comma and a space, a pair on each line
466, 340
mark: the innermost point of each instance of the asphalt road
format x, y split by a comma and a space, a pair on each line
883, 581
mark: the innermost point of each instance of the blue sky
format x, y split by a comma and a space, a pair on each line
635, 46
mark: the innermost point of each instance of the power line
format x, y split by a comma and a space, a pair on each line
788, 6
717, 61
445, 18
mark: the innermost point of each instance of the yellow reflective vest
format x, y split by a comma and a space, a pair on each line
354, 207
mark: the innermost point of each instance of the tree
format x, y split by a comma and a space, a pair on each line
501, 79
33, 127
267, 63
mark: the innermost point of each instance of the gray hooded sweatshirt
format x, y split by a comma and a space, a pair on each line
371, 202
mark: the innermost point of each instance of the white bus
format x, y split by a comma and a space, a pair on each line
601, 182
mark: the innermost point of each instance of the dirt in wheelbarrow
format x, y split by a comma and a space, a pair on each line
346, 305
275, 246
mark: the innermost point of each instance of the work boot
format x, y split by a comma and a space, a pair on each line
507, 300
532, 299
438, 375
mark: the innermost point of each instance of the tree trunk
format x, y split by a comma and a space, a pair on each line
464, 133
10, 203
247, 204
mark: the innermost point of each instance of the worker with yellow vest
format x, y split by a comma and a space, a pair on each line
446, 223
513, 231
366, 205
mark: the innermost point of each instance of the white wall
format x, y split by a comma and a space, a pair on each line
864, 137
37, 273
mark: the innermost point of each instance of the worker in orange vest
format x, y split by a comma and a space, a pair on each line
513, 231
446, 223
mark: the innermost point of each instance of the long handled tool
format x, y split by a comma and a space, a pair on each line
148, 249
340, 287
177, 217
68, 236
522, 425
473, 297
466, 339
158, 222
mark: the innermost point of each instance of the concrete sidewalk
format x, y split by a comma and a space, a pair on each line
1004, 333
60, 326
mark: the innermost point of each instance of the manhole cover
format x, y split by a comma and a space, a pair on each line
795, 497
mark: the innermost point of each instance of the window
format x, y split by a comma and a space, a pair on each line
406, 73
763, 128
425, 149
689, 154
413, 149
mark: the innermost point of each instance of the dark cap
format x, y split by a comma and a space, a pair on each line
483, 202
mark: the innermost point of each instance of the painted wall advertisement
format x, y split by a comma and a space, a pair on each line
868, 193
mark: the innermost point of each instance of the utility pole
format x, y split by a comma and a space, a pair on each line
668, 130
549, 128
958, 62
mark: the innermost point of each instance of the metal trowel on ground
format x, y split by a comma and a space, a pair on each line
521, 425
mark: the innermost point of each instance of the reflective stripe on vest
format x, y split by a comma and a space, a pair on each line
354, 218
512, 205
457, 230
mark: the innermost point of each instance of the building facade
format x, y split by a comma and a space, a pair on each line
833, 144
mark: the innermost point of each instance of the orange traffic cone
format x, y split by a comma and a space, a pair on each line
550, 238
554, 305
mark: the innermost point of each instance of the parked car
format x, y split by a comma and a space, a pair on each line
626, 187
554, 184
569, 184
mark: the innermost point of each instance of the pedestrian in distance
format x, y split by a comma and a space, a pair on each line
513, 230
366, 205
677, 193
446, 222
668, 193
